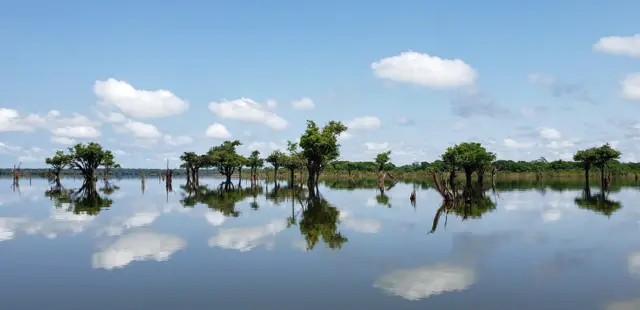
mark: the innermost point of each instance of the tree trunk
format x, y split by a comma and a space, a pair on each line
381, 177
602, 180
480, 173
467, 174
586, 177
291, 177
240, 174
58, 180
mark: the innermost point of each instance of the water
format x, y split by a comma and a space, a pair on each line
528, 247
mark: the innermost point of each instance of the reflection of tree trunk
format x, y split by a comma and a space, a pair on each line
275, 173
381, 177
291, 177
240, 174
480, 173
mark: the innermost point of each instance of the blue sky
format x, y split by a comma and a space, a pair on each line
150, 80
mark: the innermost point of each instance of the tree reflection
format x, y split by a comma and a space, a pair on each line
470, 206
85, 200
599, 203
320, 221
223, 198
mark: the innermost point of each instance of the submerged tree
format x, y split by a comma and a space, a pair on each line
319, 147
225, 158
85, 200
108, 163
276, 159
220, 199
470, 157
88, 158
254, 162
293, 162
599, 203
604, 155
382, 161
192, 163
58, 162
586, 159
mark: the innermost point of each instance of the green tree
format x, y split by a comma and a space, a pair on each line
293, 162
225, 158
108, 163
87, 158
254, 162
603, 155
192, 163
58, 162
586, 159
470, 157
276, 159
382, 161
319, 147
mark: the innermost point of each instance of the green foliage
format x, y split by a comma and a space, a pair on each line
468, 156
219, 199
87, 158
604, 154
58, 162
320, 221
254, 161
382, 160
585, 158
225, 158
276, 159
319, 147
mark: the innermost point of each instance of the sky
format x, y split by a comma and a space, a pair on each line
152, 79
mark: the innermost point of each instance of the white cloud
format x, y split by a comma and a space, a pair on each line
179, 140
62, 140
513, 144
272, 104
138, 103
345, 135
217, 131
555, 145
405, 121
618, 45
246, 238
303, 104
138, 219
363, 122
372, 146
420, 283
363, 226
112, 117
630, 87
266, 148
425, 70
10, 120
551, 215
138, 246
141, 130
215, 218
245, 109
81, 132
550, 133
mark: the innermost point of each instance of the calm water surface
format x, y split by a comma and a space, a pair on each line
528, 247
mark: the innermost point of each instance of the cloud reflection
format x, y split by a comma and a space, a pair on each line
138, 246
246, 238
420, 283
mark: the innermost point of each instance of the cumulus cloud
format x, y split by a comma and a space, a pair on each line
303, 104
138, 219
630, 87
112, 117
81, 132
217, 131
178, 140
513, 144
363, 122
425, 70
138, 246
12, 121
345, 135
272, 104
420, 283
267, 147
137, 102
550, 133
619, 45
247, 110
215, 218
141, 130
246, 238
